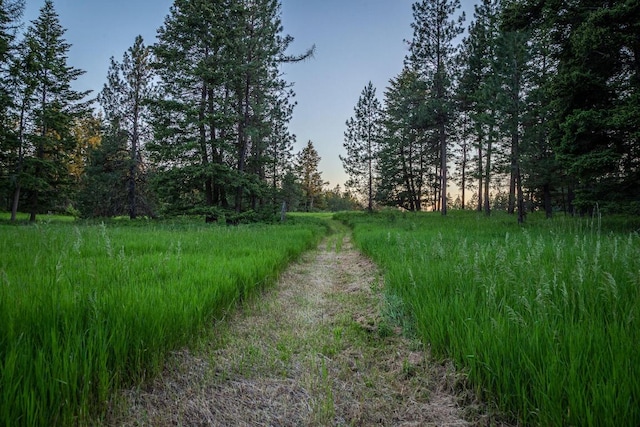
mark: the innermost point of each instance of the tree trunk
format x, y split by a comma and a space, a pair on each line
512, 184
487, 176
16, 193
463, 171
515, 143
133, 167
16, 199
370, 165
242, 143
39, 153
480, 193
443, 167
571, 196
547, 200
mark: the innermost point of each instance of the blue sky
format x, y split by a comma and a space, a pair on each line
357, 41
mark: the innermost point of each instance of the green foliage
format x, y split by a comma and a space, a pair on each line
362, 141
9, 156
124, 99
409, 154
592, 87
432, 55
45, 112
86, 309
221, 114
103, 191
309, 176
338, 200
543, 318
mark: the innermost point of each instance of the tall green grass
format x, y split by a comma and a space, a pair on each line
543, 318
86, 308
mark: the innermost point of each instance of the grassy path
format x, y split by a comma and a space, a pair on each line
313, 350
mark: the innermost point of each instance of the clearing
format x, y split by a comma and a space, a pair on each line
318, 348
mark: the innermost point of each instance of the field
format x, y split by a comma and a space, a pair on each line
87, 308
543, 319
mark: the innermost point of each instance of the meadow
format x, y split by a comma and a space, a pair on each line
87, 308
542, 319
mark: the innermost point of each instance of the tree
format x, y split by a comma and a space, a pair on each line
87, 131
478, 90
103, 187
598, 87
278, 155
124, 100
593, 93
361, 141
10, 12
50, 108
220, 119
432, 54
543, 174
511, 69
407, 159
338, 200
309, 176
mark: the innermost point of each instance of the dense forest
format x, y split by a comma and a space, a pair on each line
534, 107
537, 108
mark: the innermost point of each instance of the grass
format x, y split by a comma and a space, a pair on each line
542, 318
88, 308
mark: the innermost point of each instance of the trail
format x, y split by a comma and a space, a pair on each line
313, 350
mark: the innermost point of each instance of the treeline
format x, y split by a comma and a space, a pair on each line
195, 124
537, 108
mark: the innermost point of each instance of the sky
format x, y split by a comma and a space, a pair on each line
356, 41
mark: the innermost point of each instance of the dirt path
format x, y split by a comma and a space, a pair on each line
312, 351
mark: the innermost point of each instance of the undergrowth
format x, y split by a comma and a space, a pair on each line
543, 318
86, 308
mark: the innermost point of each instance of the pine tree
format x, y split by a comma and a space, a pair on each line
512, 64
278, 156
407, 159
432, 53
310, 177
594, 95
219, 122
362, 139
10, 13
53, 107
543, 175
478, 91
124, 100
103, 188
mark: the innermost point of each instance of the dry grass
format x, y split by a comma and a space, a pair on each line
310, 351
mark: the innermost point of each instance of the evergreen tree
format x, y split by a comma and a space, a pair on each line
278, 157
543, 176
310, 177
291, 191
478, 91
10, 13
219, 122
338, 200
362, 138
103, 187
87, 131
53, 107
124, 100
407, 160
594, 95
432, 53
512, 65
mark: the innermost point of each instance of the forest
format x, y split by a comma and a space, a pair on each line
533, 107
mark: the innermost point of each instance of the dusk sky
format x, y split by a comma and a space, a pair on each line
357, 41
